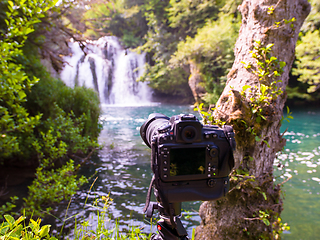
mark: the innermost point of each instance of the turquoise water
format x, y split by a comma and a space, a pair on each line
301, 160
123, 170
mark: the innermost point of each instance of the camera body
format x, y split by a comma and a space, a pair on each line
190, 161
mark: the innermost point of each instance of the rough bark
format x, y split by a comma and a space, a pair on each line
237, 215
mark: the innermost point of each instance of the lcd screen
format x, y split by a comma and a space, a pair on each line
187, 161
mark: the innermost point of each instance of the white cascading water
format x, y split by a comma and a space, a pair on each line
109, 69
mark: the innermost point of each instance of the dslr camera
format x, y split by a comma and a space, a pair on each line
190, 161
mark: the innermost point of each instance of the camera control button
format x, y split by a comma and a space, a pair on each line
165, 175
214, 152
165, 162
211, 183
165, 169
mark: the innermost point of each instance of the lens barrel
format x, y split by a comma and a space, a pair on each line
151, 126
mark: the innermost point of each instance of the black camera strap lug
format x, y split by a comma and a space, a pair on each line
151, 207
228, 132
146, 207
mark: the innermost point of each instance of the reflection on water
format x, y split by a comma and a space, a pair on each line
301, 161
123, 170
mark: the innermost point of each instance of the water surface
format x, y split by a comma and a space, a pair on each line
123, 170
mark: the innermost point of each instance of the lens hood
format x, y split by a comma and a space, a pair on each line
145, 132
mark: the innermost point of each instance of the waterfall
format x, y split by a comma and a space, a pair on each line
109, 69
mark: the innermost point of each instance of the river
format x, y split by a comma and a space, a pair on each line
122, 168
301, 159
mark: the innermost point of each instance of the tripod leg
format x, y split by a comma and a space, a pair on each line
180, 229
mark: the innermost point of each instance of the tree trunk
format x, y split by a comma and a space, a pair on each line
252, 102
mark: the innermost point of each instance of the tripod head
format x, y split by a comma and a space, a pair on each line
167, 229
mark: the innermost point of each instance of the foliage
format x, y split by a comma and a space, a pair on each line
103, 229
308, 63
211, 48
184, 31
212, 41
161, 42
16, 229
79, 100
123, 19
19, 229
188, 16
43, 122
269, 68
14, 82
51, 187
312, 22
23, 229
69, 127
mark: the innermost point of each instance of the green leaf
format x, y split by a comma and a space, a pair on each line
258, 119
19, 220
282, 64
34, 226
269, 46
268, 145
28, 30
44, 231
245, 87
9, 219
264, 195
4, 227
273, 58
263, 88
266, 221
11, 3
22, 95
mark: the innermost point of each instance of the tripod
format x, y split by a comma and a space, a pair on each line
169, 227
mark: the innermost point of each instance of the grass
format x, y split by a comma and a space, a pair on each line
103, 229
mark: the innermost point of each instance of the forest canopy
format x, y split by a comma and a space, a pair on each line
183, 35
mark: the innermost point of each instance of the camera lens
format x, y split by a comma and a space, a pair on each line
188, 134
151, 126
